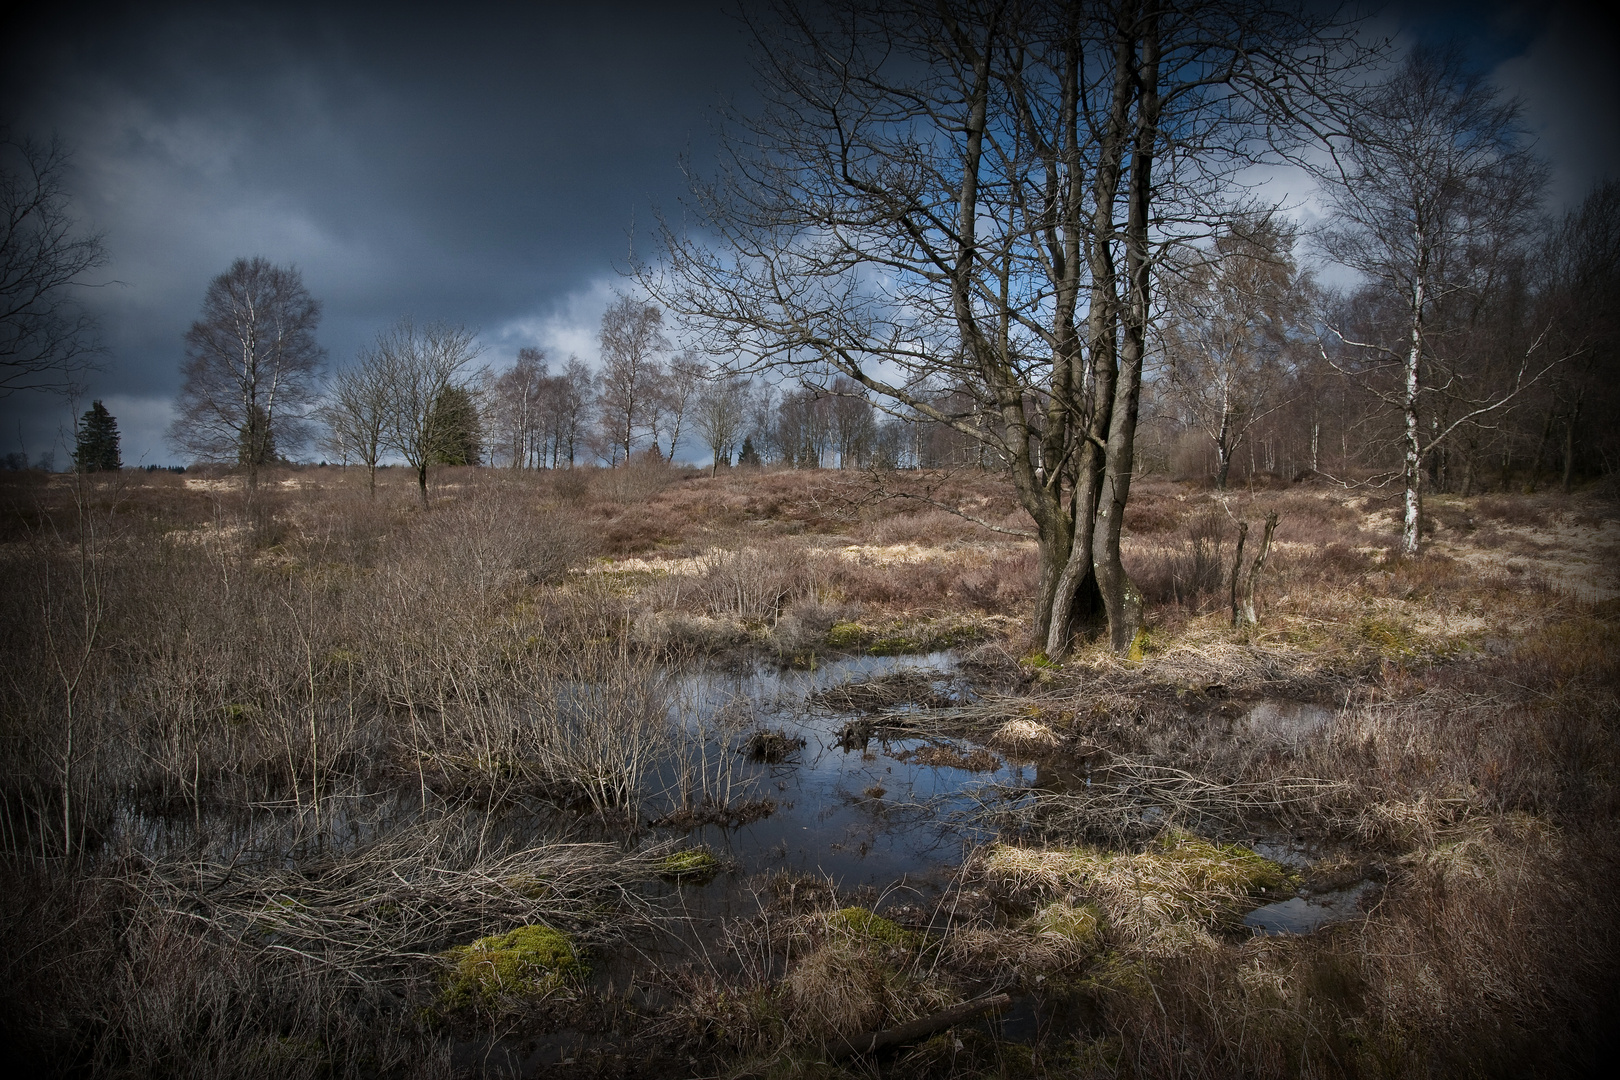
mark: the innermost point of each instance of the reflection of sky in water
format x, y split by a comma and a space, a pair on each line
830, 820
1301, 915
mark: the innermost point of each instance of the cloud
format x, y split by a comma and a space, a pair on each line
569, 326
141, 424
1570, 83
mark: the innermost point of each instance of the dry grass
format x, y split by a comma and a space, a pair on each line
260, 770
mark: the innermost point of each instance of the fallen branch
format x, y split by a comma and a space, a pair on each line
872, 1041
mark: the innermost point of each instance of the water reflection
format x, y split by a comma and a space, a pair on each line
862, 818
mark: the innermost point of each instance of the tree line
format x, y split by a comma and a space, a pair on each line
1252, 369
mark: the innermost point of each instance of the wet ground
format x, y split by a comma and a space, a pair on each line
836, 798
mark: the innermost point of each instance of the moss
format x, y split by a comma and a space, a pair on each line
901, 637
529, 961
1140, 644
861, 924
894, 646
1080, 925
689, 864
528, 886
846, 635
1387, 635
1225, 867
1179, 877
1115, 973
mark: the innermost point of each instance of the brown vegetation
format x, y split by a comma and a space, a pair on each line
262, 772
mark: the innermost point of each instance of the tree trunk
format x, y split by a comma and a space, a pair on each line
871, 1041
1254, 571
1237, 571
421, 483
1120, 597
1569, 444
1412, 509
1541, 449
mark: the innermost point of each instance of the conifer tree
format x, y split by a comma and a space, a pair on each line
97, 444
456, 432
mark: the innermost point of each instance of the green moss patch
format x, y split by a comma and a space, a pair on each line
1078, 925
529, 961
862, 925
902, 636
847, 635
690, 864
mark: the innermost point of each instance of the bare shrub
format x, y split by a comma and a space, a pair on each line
1187, 570
750, 584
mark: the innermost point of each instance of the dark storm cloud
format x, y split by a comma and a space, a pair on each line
476, 162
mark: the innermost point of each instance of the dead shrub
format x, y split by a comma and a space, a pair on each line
1188, 570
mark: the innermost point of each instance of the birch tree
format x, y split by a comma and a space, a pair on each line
251, 367
1434, 166
420, 365
356, 416
1236, 314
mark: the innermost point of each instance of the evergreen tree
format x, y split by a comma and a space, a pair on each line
456, 433
97, 449
748, 455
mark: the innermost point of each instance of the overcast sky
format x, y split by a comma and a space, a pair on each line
484, 164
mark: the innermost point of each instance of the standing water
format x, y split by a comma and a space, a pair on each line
873, 815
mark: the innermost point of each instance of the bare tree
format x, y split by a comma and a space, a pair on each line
1433, 167
853, 426
1235, 314
251, 367
356, 415
970, 197
676, 390
1581, 300
46, 341
420, 364
632, 343
720, 415
571, 397
517, 408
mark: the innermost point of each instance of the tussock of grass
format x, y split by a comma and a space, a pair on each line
846, 987
1180, 881
1077, 925
1030, 736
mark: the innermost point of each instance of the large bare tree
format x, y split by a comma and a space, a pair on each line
251, 367
958, 205
47, 340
